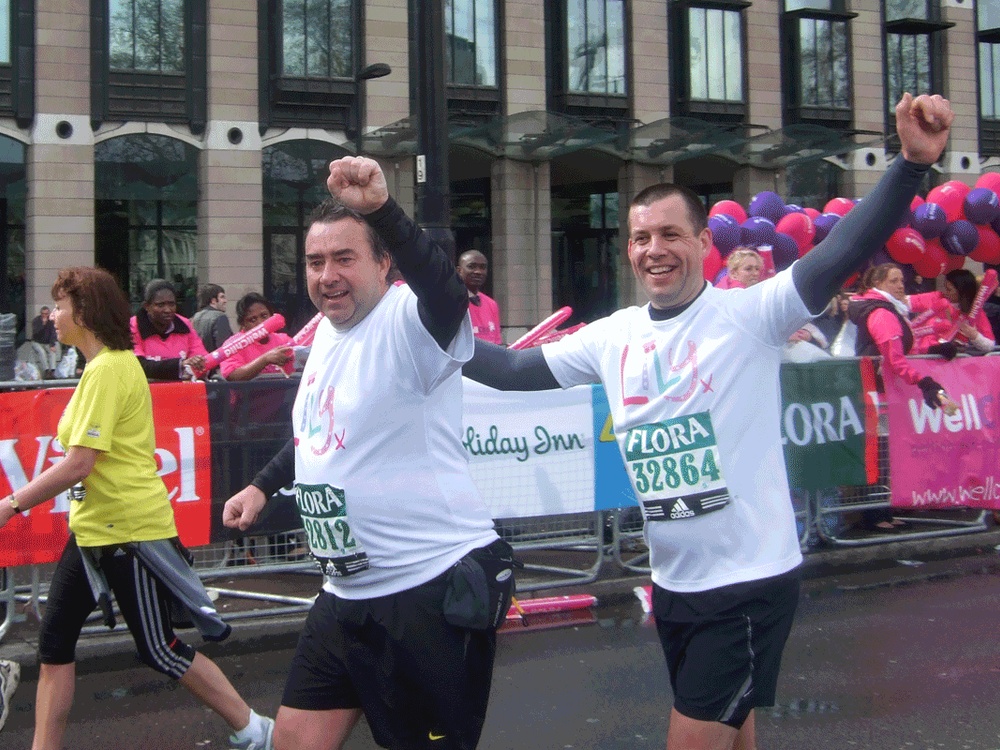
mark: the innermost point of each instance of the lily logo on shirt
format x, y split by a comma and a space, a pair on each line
669, 380
320, 422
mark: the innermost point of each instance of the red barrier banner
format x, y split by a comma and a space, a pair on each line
28, 422
946, 461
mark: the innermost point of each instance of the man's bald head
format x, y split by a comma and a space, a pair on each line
472, 269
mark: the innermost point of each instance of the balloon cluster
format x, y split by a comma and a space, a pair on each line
937, 234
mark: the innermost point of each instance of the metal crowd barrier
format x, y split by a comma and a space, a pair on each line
250, 422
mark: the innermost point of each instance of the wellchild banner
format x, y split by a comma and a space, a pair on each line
942, 461
28, 422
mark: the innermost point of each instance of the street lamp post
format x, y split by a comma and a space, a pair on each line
375, 70
433, 204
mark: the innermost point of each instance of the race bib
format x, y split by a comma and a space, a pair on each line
675, 468
324, 517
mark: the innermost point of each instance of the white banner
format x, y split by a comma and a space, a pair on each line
531, 453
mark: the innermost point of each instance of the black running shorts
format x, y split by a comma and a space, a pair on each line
723, 646
421, 681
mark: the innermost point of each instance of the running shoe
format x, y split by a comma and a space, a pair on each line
10, 675
249, 744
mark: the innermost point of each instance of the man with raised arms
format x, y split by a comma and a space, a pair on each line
416, 578
692, 380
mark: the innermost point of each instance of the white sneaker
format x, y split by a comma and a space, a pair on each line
10, 676
248, 744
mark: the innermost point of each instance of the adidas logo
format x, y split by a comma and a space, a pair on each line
680, 510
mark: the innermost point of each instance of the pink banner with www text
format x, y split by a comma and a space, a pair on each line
939, 460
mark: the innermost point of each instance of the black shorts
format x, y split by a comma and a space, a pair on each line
142, 600
723, 646
420, 681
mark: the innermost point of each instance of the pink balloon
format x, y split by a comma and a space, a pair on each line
730, 208
812, 213
988, 249
917, 201
800, 228
951, 197
989, 180
712, 263
906, 245
839, 206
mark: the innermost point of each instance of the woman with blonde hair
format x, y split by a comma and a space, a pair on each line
744, 268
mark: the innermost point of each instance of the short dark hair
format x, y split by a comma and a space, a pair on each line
247, 301
99, 304
966, 285
697, 214
208, 293
156, 286
331, 210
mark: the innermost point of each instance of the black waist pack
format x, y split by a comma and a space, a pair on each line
480, 587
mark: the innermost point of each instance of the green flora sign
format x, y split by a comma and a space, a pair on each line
823, 424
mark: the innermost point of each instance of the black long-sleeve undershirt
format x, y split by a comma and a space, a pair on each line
442, 298
818, 276
442, 303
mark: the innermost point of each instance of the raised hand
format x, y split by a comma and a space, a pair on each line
358, 183
923, 124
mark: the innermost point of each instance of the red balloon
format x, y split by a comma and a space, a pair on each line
712, 263
800, 228
851, 280
933, 261
906, 245
731, 208
839, 206
951, 197
988, 249
953, 262
917, 200
989, 180
812, 213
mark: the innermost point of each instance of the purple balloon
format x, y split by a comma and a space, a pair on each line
793, 208
981, 206
960, 237
882, 256
725, 232
929, 220
757, 231
767, 205
824, 223
784, 250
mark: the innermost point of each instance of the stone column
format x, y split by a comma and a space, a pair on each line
59, 213
230, 223
521, 198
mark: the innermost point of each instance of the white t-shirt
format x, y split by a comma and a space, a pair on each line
381, 477
696, 406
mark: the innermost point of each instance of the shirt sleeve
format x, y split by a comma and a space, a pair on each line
576, 359
138, 346
97, 410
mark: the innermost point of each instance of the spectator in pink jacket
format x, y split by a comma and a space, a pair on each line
271, 355
744, 268
165, 342
960, 289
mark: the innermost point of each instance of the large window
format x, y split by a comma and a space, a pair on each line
309, 55
17, 60
317, 38
708, 58
816, 61
988, 37
471, 46
912, 48
146, 213
147, 35
148, 61
13, 194
595, 31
